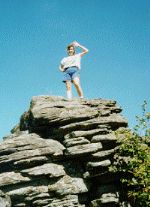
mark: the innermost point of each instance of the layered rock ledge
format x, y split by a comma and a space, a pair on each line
59, 155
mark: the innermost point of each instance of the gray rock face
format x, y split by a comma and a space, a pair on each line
59, 155
4, 200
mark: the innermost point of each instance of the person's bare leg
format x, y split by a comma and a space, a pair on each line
69, 91
76, 82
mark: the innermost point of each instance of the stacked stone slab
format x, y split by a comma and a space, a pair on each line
59, 155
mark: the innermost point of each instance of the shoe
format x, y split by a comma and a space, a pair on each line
81, 97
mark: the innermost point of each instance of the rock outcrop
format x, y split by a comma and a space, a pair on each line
59, 155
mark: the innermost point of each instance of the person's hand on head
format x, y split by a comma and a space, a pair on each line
75, 43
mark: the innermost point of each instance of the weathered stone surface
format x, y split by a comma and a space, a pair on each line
110, 199
87, 133
52, 110
68, 185
31, 161
75, 141
60, 152
51, 169
12, 178
66, 201
125, 204
104, 163
103, 154
4, 200
28, 191
83, 149
29, 146
28, 150
84, 125
104, 138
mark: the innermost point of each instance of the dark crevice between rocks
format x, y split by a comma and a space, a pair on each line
106, 178
81, 157
106, 157
97, 171
83, 126
7, 166
108, 145
11, 166
33, 163
8, 151
35, 182
74, 168
116, 126
55, 132
55, 123
89, 136
98, 188
84, 199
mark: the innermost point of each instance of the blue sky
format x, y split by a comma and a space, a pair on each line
33, 39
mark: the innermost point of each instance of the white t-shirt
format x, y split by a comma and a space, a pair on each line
73, 60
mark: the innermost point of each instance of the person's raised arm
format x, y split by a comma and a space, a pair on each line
85, 50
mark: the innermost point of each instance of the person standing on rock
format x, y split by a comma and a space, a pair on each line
70, 66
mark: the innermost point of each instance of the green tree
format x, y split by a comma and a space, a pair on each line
133, 159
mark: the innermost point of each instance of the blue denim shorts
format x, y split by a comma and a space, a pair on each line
70, 74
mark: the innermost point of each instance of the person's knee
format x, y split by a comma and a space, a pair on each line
77, 85
76, 82
68, 86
